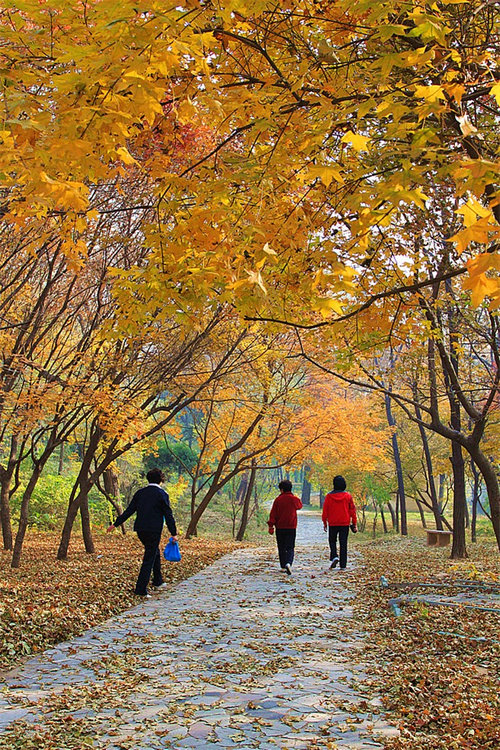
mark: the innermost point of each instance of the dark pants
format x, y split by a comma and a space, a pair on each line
342, 532
151, 561
286, 545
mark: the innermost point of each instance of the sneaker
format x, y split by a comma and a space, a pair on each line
160, 586
288, 569
334, 563
147, 595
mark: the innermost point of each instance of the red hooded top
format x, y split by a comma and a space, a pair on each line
284, 511
338, 509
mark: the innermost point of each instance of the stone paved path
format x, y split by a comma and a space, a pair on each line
238, 656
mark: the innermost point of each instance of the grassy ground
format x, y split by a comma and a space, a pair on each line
436, 668
47, 601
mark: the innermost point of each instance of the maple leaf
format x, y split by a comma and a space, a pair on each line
356, 140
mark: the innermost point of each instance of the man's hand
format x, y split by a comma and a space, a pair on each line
110, 528
270, 529
325, 527
174, 538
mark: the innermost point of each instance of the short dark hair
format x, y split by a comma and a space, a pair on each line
339, 483
285, 485
155, 476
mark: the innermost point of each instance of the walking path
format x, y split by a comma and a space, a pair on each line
238, 656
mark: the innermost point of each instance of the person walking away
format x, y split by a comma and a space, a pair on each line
151, 506
339, 513
283, 517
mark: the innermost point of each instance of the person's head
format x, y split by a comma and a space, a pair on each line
285, 485
339, 484
155, 476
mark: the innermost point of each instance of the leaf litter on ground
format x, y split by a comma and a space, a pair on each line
436, 667
47, 601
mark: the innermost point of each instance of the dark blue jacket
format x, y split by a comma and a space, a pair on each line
152, 506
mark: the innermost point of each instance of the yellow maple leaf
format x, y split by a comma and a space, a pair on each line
495, 91
482, 286
472, 211
357, 141
479, 231
125, 156
429, 93
327, 305
325, 173
255, 277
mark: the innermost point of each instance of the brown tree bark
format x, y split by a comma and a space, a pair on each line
112, 493
399, 469
6, 474
306, 486
23, 515
459, 546
393, 515
428, 463
79, 492
246, 503
86, 526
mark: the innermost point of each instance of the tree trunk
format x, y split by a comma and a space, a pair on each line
60, 466
490, 478
79, 492
362, 524
246, 504
86, 528
28, 492
459, 546
23, 515
384, 523
475, 495
422, 513
5, 482
111, 488
442, 483
193, 526
393, 514
428, 463
397, 461
321, 497
374, 525
306, 487
242, 488
195, 517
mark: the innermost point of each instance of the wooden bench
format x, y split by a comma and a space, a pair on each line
437, 538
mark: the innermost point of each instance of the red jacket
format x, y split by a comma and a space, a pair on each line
284, 511
338, 509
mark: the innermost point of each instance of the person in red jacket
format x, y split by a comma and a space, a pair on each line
338, 514
283, 517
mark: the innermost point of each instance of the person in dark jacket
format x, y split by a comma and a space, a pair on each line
283, 517
152, 507
339, 513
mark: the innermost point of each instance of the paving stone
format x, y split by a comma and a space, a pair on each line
8, 715
237, 656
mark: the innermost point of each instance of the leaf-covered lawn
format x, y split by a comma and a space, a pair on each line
437, 682
47, 601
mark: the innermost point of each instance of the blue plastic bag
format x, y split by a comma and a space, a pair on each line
172, 552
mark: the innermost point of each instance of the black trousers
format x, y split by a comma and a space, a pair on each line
342, 532
151, 562
286, 545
